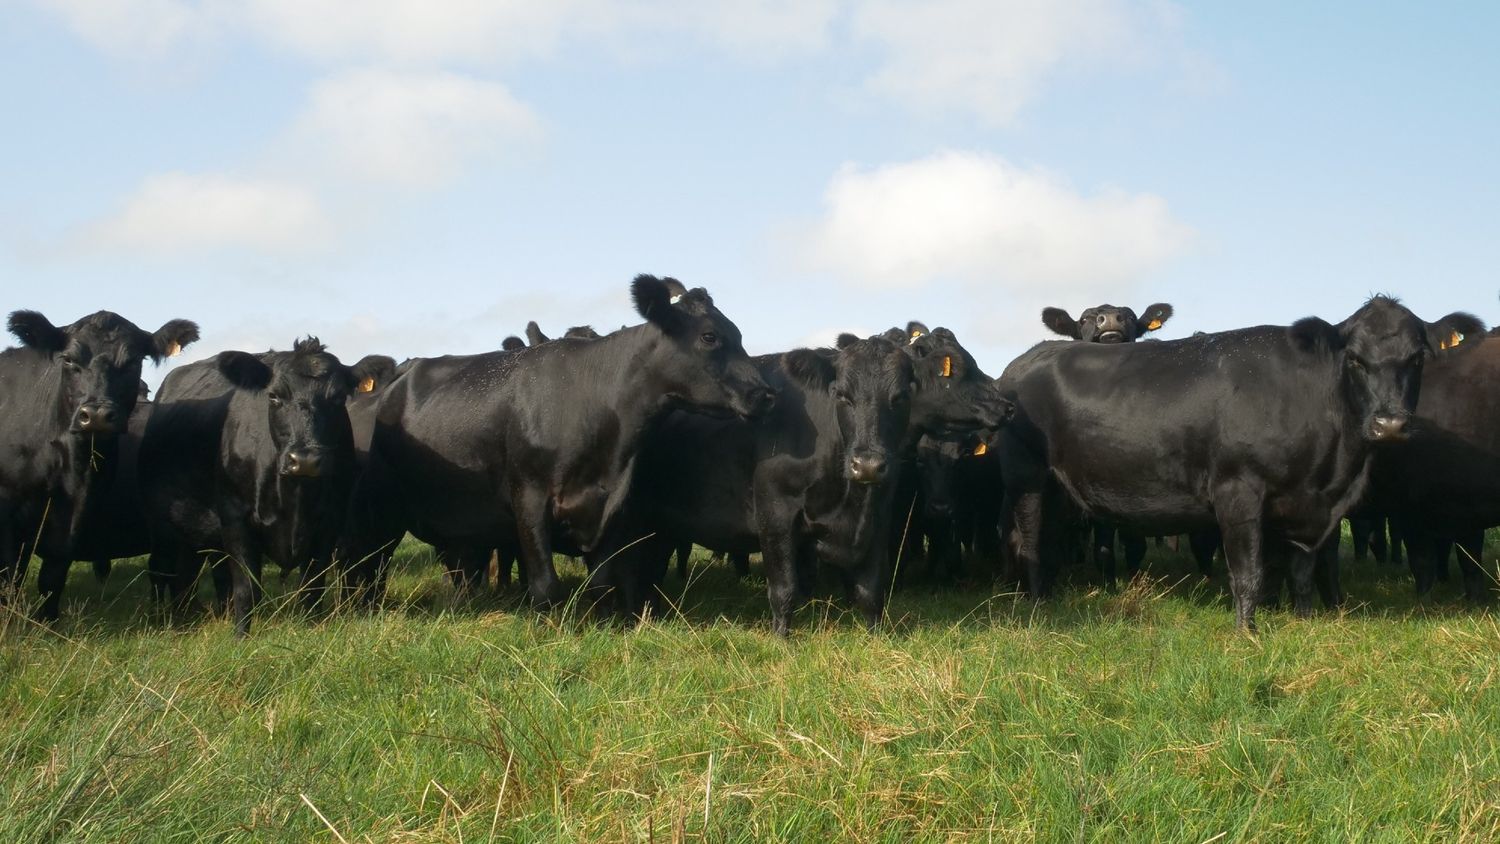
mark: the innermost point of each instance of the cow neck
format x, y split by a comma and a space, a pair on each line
1354, 454
617, 361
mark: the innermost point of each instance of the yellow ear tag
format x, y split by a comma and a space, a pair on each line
980, 450
366, 385
947, 366
1153, 325
174, 349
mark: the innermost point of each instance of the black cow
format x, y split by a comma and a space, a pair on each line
814, 482
1444, 484
252, 456
1109, 324
1265, 432
538, 446
65, 395
811, 483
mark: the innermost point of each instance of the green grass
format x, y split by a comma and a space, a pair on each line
1140, 715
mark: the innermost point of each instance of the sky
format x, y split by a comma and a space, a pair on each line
421, 177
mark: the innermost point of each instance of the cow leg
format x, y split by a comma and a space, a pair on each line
50, 581
1361, 531
1104, 553
741, 564
1026, 527
869, 594
1135, 551
778, 544
315, 581
1419, 556
1204, 543
1239, 508
1442, 549
1378, 547
1326, 574
534, 527
1471, 564
244, 562
1397, 540
1285, 563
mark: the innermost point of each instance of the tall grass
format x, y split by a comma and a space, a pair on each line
1137, 715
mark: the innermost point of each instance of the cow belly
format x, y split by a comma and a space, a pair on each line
1155, 507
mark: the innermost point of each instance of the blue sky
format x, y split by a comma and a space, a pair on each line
419, 178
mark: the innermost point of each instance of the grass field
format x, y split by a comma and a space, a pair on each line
1135, 716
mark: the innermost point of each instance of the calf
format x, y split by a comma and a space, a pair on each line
1267, 433
252, 456
538, 446
65, 395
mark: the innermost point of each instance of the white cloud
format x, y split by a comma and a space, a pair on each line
187, 212
990, 56
136, 27
986, 57
976, 218
410, 129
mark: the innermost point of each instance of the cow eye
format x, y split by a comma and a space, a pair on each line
70, 362
1355, 363
275, 400
710, 338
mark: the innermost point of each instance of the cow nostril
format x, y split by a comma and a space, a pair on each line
1388, 427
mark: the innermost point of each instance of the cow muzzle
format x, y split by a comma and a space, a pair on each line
302, 463
757, 402
97, 418
1389, 428
867, 467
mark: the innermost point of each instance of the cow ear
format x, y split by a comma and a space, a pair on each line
534, 334
1154, 317
1060, 322
372, 372
653, 301
1314, 334
512, 344
1452, 330
171, 338
35, 331
809, 368
916, 329
897, 336
244, 370
582, 332
845, 340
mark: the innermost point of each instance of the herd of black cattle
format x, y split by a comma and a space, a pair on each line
862, 459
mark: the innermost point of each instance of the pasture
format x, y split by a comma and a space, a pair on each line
1095, 716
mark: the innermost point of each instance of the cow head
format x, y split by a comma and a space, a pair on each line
871, 383
936, 459
1107, 323
1381, 350
953, 396
702, 362
99, 362
304, 392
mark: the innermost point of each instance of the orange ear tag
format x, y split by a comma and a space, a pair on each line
947, 366
366, 385
1455, 339
980, 450
174, 349
1153, 325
